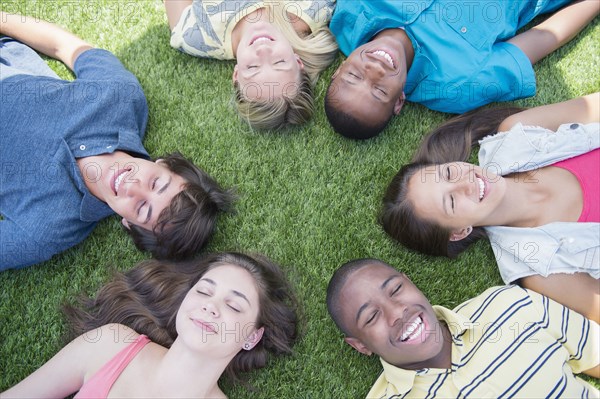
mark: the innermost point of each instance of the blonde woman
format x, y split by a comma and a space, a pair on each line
280, 47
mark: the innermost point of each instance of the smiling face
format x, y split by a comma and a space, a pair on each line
267, 66
386, 314
456, 195
220, 312
369, 84
136, 189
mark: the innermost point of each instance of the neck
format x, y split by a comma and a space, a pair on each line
261, 14
521, 203
405, 45
92, 169
184, 373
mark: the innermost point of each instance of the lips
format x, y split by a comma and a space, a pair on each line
205, 326
385, 56
413, 330
118, 179
482, 187
261, 39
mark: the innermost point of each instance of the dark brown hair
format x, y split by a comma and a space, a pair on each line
147, 297
450, 142
185, 226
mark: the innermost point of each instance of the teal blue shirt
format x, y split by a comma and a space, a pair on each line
462, 60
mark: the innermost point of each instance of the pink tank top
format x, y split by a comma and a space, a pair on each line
586, 167
99, 385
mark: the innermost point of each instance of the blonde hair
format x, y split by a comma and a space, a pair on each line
317, 51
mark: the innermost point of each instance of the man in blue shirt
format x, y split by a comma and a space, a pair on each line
449, 56
72, 155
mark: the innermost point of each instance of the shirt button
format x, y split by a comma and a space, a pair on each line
574, 126
82, 147
463, 29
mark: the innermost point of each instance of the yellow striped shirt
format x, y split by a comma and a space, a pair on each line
507, 342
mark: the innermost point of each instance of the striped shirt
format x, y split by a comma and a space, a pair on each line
506, 342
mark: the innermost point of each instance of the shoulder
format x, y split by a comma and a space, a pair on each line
97, 347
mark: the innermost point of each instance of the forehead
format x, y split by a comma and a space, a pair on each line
357, 100
270, 84
231, 278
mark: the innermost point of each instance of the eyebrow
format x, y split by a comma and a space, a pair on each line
162, 190
381, 287
236, 293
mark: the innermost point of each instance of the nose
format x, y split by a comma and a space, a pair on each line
264, 49
209, 307
395, 313
374, 68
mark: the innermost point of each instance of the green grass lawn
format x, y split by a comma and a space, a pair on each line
308, 198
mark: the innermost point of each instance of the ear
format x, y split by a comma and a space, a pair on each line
358, 345
234, 77
399, 104
253, 339
458, 235
125, 223
299, 61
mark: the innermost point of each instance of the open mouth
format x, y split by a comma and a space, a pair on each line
481, 183
413, 331
386, 56
261, 39
119, 179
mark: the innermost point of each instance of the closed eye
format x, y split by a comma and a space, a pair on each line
396, 289
372, 317
234, 309
381, 91
452, 202
280, 62
154, 183
353, 75
202, 292
448, 173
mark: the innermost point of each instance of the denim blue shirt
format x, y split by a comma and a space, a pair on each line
47, 124
555, 247
461, 58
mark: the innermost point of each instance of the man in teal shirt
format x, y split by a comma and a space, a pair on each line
449, 56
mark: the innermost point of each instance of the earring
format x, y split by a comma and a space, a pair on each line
247, 346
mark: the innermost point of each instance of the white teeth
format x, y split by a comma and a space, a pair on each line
385, 55
481, 188
119, 179
414, 330
261, 39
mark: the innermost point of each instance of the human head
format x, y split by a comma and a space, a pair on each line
366, 91
274, 102
147, 298
400, 220
381, 311
187, 223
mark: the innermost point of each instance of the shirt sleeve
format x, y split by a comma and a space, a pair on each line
506, 74
101, 65
577, 334
18, 249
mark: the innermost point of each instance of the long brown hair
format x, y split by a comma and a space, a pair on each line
450, 142
147, 297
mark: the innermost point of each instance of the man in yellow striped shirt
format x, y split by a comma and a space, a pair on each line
506, 342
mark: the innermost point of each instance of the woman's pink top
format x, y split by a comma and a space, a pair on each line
586, 168
99, 385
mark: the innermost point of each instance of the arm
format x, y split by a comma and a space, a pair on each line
42, 36
174, 9
557, 30
582, 109
66, 372
19, 249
